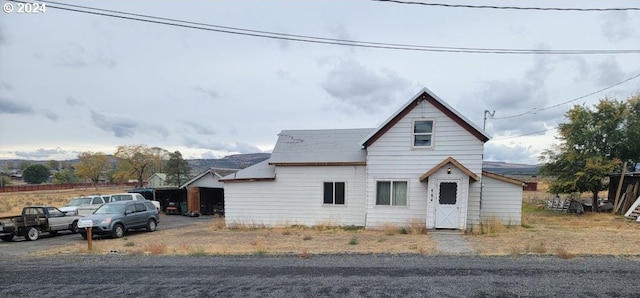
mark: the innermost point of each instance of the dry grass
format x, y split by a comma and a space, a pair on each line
11, 203
561, 234
542, 232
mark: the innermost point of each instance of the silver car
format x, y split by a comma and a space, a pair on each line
116, 218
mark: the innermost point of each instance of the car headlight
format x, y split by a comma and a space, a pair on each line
106, 221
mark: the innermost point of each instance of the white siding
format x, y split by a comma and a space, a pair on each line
392, 157
296, 197
208, 180
502, 200
156, 181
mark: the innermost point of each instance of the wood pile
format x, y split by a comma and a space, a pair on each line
629, 202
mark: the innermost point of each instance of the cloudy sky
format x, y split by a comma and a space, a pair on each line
72, 81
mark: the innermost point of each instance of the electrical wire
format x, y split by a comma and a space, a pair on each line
314, 39
536, 110
525, 134
509, 7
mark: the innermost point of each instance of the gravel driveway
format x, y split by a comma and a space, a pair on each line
21, 247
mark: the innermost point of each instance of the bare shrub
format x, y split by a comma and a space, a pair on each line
417, 226
390, 229
157, 248
563, 254
304, 254
218, 223
492, 226
260, 243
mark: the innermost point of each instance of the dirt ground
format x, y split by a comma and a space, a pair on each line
542, 232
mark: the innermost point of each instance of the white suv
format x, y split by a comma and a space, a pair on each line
132, 196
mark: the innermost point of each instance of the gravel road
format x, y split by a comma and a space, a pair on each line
318, 276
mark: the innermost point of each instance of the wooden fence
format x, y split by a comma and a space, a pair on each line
39, 187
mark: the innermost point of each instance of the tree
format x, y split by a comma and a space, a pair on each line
137, 161
53, 164
5, 180
36, 174
177, 169
592, 145
92, 166
631, 131
65, 176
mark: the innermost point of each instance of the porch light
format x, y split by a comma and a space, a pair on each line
449, 170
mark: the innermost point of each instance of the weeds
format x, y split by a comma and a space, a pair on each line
417, 226
563, 254
540, 248
198, 251
353, 241
155, 248
304, 254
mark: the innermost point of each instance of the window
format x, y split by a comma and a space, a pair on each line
140, 207
334, 193
391, 193
422, 133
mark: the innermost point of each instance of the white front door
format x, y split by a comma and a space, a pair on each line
447, 211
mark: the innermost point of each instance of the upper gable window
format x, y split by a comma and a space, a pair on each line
423, 133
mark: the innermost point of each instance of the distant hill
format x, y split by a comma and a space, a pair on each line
236, 161
510, 168
240, 161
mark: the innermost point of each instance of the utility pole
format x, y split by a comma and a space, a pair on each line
484, 124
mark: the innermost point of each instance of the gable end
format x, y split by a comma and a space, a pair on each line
437, 104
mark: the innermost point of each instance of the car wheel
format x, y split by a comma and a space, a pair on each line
32, 234
74, 227
151, 225
118, 231
84, 236
7, 238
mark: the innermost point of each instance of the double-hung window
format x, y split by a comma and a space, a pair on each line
334, 193
391, 193
423, 133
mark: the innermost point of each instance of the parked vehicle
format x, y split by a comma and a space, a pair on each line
116, 218
36, 220
172, 208
83, 205
132, 197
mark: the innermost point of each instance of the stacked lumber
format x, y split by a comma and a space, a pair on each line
634, 210
626, 199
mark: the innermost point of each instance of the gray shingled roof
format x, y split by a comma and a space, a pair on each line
320, 146
261, 170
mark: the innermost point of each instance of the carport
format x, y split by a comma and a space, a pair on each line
205, 193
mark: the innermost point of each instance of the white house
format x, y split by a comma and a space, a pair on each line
422, 164
157, 180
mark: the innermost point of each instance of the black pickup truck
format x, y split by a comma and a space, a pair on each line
36, 220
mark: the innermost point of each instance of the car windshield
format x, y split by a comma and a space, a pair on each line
79, 202
110, 209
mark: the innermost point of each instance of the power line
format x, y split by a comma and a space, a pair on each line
509, 7
525, 134
535, 110
314, 39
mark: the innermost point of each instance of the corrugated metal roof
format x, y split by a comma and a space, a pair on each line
260, 171
320, 146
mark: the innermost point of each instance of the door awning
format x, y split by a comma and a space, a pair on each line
449, 161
